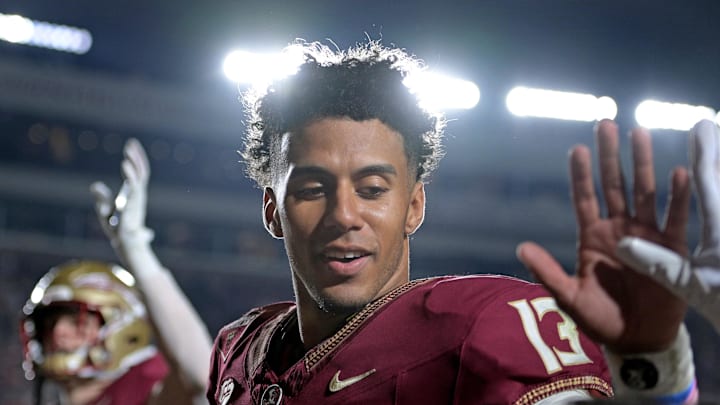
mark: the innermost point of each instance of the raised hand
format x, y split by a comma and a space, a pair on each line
123, 217
695, 279
611, 303
181, 331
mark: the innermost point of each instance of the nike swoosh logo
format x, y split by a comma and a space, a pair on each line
336, 384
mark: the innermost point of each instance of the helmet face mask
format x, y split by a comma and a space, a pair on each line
99, 301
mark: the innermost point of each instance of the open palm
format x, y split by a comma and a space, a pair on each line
611, 303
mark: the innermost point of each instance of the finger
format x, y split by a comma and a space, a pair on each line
130, 173
678, 209
582, 187
136, 154
133, 173
548, 271
705, 163
664, 266
644, 177
613, 183
103, 198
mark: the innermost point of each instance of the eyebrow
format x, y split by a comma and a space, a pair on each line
317, 171
308, 171
375, 169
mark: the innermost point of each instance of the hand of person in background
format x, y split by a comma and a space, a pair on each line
696, 279
184, 336
123, 217
625, 311
611, 303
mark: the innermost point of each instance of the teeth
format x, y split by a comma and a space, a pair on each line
346, 255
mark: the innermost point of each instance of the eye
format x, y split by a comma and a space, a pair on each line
310, 193
372, 192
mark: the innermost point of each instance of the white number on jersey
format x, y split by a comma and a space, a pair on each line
553, 358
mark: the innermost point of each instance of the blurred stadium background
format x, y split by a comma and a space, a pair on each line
154, 72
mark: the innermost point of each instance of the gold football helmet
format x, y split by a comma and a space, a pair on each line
83, 287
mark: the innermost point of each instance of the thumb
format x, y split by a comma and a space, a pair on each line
103, 198
548, 271
661, 264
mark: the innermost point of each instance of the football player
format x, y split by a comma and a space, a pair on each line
85, 329
342, 151
181, 331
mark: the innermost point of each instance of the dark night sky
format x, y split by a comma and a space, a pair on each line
613, 45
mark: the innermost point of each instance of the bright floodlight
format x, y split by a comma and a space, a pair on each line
439, 92
15, 29
434, 90
21, 30
662, 115
259, 69
524, 102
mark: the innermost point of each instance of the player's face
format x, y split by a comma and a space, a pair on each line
70, 331
345, 203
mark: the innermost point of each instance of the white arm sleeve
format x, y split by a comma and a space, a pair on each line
187, 341
183, 335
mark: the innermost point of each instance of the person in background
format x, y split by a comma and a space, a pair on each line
92, 329
86, 331
180, 330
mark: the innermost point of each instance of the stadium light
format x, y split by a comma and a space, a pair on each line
434, 90
20, 30
655, 114
258, 69
440, 92
530, 102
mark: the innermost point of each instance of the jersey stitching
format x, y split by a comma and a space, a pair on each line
314, 356
584, 382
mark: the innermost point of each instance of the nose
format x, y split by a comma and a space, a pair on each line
343, 210
71, 332
67, 337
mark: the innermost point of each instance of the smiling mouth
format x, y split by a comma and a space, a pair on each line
346, 257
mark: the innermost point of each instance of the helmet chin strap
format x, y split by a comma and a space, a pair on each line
66, 365
87, 361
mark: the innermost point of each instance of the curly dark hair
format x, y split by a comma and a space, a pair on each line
362, 83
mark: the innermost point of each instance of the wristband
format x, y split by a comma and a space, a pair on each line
667, 376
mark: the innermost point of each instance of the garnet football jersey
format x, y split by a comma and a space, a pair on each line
446, 340
136, 386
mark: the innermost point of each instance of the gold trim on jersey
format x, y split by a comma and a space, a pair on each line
315, 355
588, 382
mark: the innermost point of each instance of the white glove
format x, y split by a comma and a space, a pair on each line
697, 279
123, 218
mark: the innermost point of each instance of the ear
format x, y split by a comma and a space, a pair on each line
271, 218
416, 209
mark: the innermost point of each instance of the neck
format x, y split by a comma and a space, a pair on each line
316, 326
